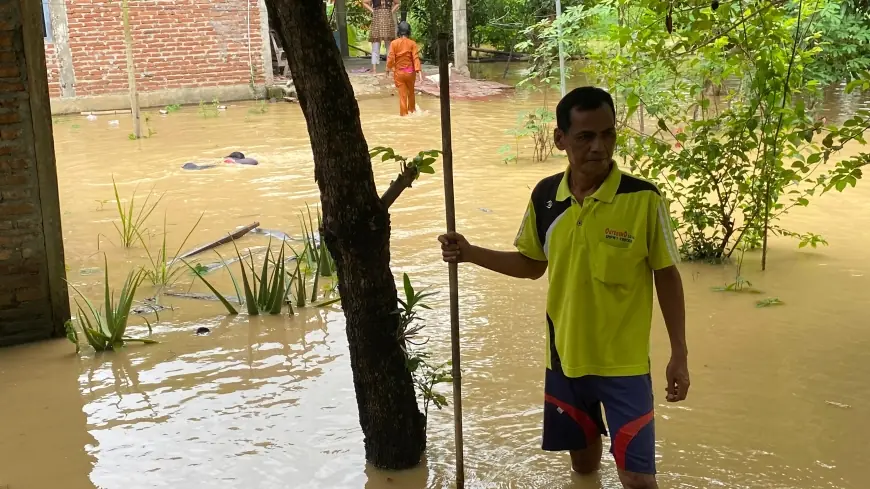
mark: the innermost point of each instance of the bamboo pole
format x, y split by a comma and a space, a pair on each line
131, 70
447, 158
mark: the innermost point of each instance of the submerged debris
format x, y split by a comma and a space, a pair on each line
147, 306
218, 242
838, 404
195, 295
202, 330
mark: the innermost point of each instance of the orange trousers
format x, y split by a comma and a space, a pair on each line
405, 83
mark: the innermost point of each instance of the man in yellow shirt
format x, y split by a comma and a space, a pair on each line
605, 239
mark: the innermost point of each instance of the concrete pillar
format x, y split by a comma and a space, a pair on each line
34, 302
460, 37
60, 39
267, 42
341, 25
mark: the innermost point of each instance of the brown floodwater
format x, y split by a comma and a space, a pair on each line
780, 397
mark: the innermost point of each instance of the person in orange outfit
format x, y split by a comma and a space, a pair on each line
404, 62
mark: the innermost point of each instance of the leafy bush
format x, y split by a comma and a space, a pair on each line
842, 35
426, 375
537, 125
733, 144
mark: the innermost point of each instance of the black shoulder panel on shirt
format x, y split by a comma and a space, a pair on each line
547, 208
629, 185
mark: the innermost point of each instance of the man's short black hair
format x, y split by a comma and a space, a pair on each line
404, 29
583, 98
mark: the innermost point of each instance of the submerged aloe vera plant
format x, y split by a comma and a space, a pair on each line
265, 292
316, 255
106, 329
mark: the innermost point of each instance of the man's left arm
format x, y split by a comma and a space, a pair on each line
663, 258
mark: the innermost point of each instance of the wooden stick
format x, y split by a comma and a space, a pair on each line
447, 158
131, 70
226, 239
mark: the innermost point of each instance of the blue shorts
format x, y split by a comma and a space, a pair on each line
572, 416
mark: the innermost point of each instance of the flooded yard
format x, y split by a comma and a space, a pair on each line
780, 398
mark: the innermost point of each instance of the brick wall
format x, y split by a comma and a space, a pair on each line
25, 305
53, 71
177, 44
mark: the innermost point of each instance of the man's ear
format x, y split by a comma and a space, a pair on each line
558, 136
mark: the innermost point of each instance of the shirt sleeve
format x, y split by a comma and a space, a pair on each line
391, 56
527, 241
417, 66
663, 250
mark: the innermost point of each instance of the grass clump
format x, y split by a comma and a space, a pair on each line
163, 271
265, 292
132, 219
209, 110
105, 329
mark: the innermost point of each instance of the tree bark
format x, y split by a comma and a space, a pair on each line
356, 230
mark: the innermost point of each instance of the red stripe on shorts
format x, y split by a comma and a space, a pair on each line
590, 429
626, 434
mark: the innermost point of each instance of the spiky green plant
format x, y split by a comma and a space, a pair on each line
132, 219
263, 293
328, 267
299, 277
162, 271
105, 330
315, 249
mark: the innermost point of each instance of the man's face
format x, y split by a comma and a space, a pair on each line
590, 140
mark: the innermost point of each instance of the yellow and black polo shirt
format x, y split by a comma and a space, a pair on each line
601, 254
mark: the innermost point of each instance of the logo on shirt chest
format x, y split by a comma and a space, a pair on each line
618, 236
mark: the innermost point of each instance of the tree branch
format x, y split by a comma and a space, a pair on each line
397, 186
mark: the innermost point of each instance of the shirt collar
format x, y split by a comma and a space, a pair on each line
605, 192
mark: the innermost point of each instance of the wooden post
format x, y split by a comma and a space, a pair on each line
46, 165
447, 158
131, 70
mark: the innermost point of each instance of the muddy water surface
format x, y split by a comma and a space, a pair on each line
780, 397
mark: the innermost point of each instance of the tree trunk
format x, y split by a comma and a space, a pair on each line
356, 230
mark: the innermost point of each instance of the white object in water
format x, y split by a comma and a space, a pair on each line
91, 117
436, 78
222, 107
114, 123
163, 111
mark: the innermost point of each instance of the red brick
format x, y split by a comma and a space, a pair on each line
9, 118
17, 194
13, 164
16, 209
9, 134
12, 180
9, 71
29, 294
